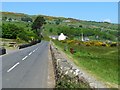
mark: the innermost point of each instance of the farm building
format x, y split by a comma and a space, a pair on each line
54, 37
62, 37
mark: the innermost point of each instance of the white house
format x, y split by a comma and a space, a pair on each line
54, 37
62, 37
86, 39
66, 21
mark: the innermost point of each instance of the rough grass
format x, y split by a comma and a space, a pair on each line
100, 61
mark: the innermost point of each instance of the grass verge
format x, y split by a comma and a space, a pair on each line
99, 61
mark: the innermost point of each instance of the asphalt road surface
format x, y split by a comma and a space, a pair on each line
26, 68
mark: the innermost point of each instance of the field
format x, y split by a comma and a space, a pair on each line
102, 62
55, 25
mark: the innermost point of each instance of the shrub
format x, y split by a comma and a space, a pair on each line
113, 44
70, 41
10, 31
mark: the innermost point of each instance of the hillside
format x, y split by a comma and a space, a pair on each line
97, 54
90, 29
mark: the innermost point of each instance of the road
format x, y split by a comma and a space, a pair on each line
26, 68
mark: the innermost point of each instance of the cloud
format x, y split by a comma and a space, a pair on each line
107, 20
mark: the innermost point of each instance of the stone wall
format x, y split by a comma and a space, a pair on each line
63, 68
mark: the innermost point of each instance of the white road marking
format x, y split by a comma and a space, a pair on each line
24, 57
36, 49
30, 53
33, 50
13, 67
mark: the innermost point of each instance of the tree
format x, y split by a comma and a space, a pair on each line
10, 19
51, 30
26, 19
4, 18
37, 25
57, 21
10, 31
80, 26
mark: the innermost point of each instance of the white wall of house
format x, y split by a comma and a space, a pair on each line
61, 37
66, 21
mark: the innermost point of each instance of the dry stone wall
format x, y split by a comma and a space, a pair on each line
63, 68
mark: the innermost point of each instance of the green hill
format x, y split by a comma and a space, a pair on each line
69, 26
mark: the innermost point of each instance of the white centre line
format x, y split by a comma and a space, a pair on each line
24, 57
36, 49
33, 50
13, 67
30, 53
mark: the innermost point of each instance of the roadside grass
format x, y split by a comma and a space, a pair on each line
99, 61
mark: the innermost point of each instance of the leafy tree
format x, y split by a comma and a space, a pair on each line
51, 30
57, 22
80, 26
4, 18
10, 31
10, 19
37, 25
26, 19
27, 35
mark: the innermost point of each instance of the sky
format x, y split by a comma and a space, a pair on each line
90, 11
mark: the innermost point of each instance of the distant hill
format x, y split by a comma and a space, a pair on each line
18, 16
103, 27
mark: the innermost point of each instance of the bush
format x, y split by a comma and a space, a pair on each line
113, 44
10, 31
27, 35
26, 19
